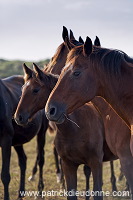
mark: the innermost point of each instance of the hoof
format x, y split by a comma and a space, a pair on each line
31, 178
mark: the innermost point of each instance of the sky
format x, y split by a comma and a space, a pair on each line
32, 29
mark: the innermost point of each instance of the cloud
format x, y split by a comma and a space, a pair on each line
31, 29
77, 5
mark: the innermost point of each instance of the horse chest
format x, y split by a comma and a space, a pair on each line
70, 150
24, 134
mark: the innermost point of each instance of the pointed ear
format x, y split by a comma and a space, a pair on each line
27, 72
81, 40
71, 35
64, 33
40, 75
97, 42
87, 47
69, 44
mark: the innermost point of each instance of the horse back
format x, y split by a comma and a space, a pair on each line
13, 83
10, 92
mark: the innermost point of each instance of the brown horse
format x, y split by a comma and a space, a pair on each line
57, 63
13, 135
82, 65
74, 145
55, 66
107, 73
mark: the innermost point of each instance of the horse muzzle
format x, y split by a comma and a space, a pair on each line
21, 119
55, 112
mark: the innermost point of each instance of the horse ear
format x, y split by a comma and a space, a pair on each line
40, 75
38, 72
87, 48
71, 35
69, 44
27, 72
81, 40
64, 33
97, 42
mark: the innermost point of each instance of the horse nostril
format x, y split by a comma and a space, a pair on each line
52, 111
20, 118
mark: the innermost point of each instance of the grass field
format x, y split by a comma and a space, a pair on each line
50, 176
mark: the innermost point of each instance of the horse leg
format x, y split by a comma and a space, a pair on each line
127, 166
113, 179
120, 179
97, 179
62, 186
41, 142
34, 171
57, 164
127, 188
6, 143
70, 172
121, 175
87, 173
22, 163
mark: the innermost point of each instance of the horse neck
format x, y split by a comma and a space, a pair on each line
118, 92
59, 62
66, 130
52, 82
102, 105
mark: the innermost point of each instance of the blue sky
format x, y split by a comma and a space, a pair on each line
31, 29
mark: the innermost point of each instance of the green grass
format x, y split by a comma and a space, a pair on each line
49, 173
8, 67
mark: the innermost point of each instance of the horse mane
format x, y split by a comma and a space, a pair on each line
49, 77
54, 58
109, 59
58, 54
75, 52
128, 59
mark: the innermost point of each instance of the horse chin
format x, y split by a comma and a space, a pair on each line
22, 124
30, 119
61, 119
26, 123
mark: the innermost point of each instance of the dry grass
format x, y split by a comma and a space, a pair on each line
49, 173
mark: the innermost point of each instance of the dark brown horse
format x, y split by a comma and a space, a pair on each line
57, 63
74, 145
84, 65
13, 135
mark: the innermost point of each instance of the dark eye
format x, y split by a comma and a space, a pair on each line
36, 90
76, 74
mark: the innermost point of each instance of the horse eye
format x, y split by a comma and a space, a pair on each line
36, 90
76, 74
